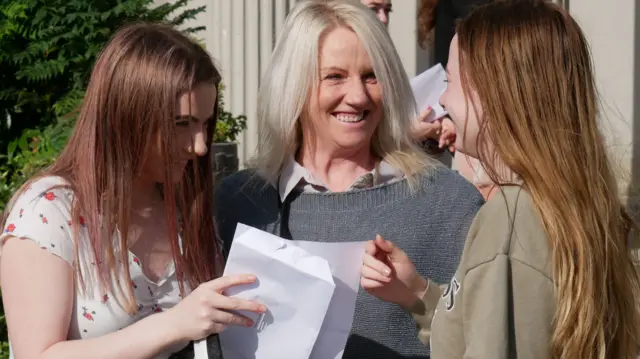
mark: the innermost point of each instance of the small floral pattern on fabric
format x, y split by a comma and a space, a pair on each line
42, 214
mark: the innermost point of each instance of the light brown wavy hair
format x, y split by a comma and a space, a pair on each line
529, 63
131, 97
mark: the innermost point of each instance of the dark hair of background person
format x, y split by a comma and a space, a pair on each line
437, 22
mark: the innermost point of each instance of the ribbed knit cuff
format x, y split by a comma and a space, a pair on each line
423, 310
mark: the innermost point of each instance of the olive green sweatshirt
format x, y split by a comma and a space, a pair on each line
500, 303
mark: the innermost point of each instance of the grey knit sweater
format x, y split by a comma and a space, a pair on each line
430, 224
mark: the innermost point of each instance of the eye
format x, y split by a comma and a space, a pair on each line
333, 77
370, 77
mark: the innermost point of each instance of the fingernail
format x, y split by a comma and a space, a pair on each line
262, 308
429, 108
387, 272
251, 277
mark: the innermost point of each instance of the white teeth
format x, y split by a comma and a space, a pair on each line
349, 118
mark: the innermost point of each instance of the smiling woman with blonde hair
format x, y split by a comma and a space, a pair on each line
336, 162
547, 270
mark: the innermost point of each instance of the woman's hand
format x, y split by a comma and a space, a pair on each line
448, 134
206, 310
389, 274
423, 130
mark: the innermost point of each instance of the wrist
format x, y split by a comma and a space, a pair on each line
417, 288
169, 328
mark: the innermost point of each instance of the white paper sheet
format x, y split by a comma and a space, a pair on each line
345, 260
289, 332
427, 89
295, 286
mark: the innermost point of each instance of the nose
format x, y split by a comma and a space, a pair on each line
383, 16
357, 95
198, 144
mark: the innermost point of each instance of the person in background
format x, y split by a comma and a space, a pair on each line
547, 269
336, 162
382, 9
437, 22
99, 250
433, 135
436, 27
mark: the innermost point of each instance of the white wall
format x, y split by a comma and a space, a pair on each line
403, 30
612, 29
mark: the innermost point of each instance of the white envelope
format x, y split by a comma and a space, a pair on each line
295, 286
345, 260
427, 89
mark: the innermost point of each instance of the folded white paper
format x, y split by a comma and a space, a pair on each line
345, 260
295, 286
427, 89
310, 289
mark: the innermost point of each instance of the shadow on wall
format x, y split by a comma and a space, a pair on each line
634, 186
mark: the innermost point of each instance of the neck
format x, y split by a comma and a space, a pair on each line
338, 169
145, 198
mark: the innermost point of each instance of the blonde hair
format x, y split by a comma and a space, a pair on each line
529, 64
293, 74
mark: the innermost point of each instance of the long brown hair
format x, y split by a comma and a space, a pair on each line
131, 98
529, 64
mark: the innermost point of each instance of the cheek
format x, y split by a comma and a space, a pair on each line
375, 94
377, 100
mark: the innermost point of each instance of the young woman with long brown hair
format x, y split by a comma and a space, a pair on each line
127, 212
547, 270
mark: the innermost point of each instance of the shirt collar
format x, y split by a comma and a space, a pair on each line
294, 173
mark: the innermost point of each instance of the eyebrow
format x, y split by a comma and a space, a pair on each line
192, 118
332, 68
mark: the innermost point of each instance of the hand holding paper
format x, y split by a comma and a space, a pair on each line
309, 288
427, 89
204, 311
296, 288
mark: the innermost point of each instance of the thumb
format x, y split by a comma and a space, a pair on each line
389, 248
425, 114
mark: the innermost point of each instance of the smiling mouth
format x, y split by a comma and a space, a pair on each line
351, 118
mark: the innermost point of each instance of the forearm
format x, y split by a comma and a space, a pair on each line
142, 340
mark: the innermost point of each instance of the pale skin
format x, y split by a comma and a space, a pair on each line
382, 9
338, 152
442, 130
387, 272
201, 313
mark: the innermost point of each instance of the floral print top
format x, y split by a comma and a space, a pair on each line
42, 214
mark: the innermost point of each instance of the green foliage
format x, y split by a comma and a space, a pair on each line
29, 153
228, 126
47, 48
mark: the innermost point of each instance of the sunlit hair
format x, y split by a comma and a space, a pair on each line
529, 64
293, 76
131, 99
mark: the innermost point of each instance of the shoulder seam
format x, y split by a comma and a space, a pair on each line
510, 259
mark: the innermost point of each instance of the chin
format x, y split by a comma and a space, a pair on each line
354, 143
